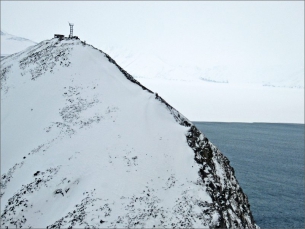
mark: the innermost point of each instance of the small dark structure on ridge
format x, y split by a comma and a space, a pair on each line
59, 36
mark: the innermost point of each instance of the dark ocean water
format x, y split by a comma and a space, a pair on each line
269, 164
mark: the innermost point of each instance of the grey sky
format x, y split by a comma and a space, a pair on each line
241, 34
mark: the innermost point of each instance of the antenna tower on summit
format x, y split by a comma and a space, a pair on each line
71, 29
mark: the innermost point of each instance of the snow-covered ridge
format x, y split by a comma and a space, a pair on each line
148, 65
12, 44
84, 144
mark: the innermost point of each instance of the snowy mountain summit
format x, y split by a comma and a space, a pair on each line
84, 144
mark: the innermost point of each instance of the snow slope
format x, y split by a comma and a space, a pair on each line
148, 64
145, 63
235, 95
208, 101
142, 63
218, 93
11, 44
84, 144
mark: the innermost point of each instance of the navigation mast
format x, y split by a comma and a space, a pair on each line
71, 29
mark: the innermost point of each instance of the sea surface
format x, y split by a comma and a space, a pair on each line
269, 164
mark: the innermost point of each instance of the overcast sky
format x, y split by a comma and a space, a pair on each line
242, 34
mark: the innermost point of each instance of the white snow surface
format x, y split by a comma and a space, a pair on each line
12, 44
83, 146
217, 102
145, 63
268, 94
148, 64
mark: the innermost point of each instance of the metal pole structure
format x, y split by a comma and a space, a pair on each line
71, 30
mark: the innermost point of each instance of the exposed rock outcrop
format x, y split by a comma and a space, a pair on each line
89, 146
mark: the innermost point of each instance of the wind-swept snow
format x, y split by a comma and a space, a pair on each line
257, 94
218, 102
148, 64
84, 144
11, 44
